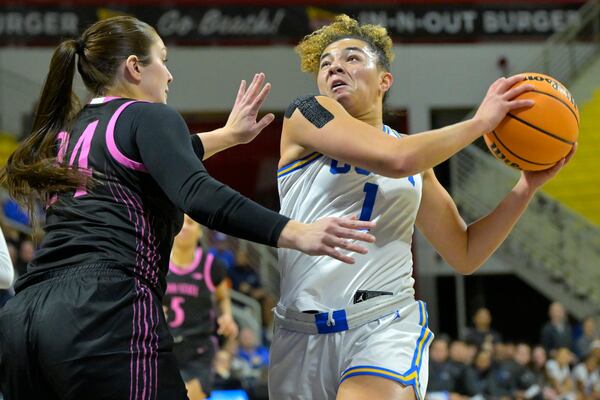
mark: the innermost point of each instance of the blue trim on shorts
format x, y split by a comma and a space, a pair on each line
425, 336
322, 322
383, 373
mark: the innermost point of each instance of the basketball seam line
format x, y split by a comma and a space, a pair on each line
521, 158
540, 129
561, 100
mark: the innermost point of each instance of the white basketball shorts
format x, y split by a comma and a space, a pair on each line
311, 366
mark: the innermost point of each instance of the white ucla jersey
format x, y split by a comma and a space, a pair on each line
317, 186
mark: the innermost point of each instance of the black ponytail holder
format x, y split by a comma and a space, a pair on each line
79, 46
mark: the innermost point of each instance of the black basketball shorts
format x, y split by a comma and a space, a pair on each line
87, 332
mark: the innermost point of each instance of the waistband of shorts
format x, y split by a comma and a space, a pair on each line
71, 272
333, 321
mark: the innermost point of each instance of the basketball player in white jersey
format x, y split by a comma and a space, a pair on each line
355, 331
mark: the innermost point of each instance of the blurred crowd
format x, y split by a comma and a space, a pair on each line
484, 366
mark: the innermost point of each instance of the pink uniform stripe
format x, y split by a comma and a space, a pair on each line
187, 269
207, 276
112, 145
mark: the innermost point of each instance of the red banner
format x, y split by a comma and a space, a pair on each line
241, 24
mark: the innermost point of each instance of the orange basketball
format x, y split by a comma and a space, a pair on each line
538, 137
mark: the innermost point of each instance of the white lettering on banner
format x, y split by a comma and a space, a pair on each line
449, 22
39, 23
535, 21
434, 22
215, 22
173, 23
465, 21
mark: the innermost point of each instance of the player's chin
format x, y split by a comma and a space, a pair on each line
345, 99
162, 98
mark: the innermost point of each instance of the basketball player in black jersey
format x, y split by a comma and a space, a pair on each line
86, 321
195, 280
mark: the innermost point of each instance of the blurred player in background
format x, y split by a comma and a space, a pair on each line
195, 278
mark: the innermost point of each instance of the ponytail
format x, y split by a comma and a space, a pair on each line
32, 172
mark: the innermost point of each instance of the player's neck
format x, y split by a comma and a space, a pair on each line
124, 91
372, 117
182, 257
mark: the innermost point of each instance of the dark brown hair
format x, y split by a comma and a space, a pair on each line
32, 172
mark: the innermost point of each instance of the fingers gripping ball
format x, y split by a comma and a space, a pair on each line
538, 137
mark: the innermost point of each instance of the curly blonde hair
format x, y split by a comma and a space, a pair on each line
313, 45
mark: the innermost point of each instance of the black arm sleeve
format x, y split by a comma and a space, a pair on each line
163, 142
198, 147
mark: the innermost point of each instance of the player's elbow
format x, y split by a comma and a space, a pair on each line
465, 267
403, 165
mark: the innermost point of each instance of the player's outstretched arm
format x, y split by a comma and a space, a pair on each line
162, 140
464, 247
325, 236
321, 124
242, 125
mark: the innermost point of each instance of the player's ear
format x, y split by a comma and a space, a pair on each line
386, 81
132, 68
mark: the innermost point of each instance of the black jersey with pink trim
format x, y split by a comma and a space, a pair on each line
189, 296
146, 171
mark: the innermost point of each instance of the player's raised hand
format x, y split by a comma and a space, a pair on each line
326, 236
536, 179
242, 120
500, 99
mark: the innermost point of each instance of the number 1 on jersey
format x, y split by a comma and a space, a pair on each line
370, 190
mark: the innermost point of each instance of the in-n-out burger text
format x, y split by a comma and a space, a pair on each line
38, 23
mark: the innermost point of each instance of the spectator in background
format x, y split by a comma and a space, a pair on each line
557, 331
220, 249
245, 279
441, 378
558, 371
459, 359
224, 379
482, 333
255, 355
478, 378
526, 383
504, 370
252, 361
539, 358
589, 334
587, 378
